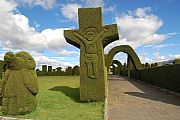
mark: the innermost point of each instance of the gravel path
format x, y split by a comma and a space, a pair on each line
132, 100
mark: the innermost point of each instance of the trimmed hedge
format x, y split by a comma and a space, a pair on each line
75, 70
40, 73
163, 76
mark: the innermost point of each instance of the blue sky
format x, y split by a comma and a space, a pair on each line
151, 27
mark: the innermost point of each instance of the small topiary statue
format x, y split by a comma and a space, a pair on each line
75, 70
176, 61
19, 84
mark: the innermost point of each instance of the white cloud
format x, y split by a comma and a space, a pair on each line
70, 11
139, 27
161, 45
93, 3
109, 9
46, 4
44, 60
7, 6
156, 57
41, 59
16, 33
65, 52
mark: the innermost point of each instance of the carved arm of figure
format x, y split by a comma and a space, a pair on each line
81, 38
101, 33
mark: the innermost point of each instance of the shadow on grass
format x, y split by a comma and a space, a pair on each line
73, 93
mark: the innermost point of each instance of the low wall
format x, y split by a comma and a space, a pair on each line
164, 76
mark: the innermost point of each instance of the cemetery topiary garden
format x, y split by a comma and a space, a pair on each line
57, 94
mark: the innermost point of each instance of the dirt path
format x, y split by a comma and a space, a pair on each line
132, 100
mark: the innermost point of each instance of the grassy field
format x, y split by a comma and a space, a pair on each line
58, 99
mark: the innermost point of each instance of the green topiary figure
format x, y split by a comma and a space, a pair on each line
112, 69
176, 61
68, 71
44, 68
118, 68
2, 67
75, 70
147, 65
2, 70
19, 84
156, 65
58, 69
91, 38
49, 68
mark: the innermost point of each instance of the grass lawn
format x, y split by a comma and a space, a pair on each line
58, 99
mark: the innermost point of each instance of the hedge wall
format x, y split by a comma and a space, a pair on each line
164, 76
40, 73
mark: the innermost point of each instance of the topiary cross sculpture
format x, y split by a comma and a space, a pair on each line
91, 38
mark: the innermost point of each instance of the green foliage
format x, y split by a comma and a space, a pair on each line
2, 67
59, 69
58, 99
118, 68
19, 84
91, 38
68, 71
147, 65
162, 76
75, 70
176, 61
156, 65
127, 49
51, 73
44, 68
113, 69
49, 68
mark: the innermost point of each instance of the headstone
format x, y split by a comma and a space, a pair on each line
49, 68
44, 68
91, 38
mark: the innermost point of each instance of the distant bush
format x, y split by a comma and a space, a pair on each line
75, 70
176, 61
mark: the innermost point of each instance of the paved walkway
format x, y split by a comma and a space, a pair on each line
132, 100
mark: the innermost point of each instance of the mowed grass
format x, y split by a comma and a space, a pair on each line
58, 99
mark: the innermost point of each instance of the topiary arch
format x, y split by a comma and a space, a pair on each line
118, 63
126, 49
118, 68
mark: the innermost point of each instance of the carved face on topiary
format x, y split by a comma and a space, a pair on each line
90, 33
20, 60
